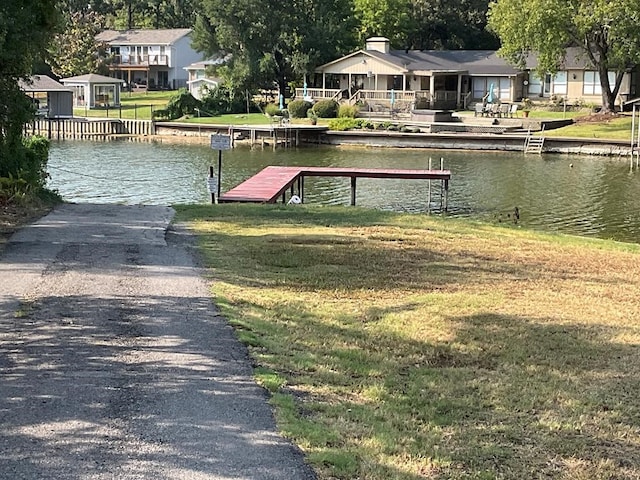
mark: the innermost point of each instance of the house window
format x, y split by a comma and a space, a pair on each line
560, 83
501, 87
104, 95
535, 85
591, 84
556, 84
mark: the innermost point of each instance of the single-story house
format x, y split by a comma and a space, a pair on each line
51, 99
94, 91
448, 79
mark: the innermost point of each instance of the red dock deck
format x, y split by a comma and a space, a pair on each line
273, 182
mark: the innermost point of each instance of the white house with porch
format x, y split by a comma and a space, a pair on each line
151, 59
447, 79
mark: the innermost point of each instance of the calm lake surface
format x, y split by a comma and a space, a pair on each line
591, 196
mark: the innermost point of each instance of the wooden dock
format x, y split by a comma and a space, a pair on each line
273, 182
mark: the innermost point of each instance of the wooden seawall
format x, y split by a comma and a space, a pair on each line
82, 128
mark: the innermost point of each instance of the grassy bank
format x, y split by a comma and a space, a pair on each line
403, 346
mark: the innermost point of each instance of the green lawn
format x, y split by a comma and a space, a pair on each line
138, 105
401, 346
616, 129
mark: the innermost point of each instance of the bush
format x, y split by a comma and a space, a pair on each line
326, 109
348, 123
271, 109
299, 108
224, 99
181, 104
350, 111
34, 170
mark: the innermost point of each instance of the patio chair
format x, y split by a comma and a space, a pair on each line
513, 111
479, 110
493, 110
503, 110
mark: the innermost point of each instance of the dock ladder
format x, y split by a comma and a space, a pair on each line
534, 144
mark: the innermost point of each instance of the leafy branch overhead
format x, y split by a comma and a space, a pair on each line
605, 33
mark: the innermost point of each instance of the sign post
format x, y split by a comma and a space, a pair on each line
218, 142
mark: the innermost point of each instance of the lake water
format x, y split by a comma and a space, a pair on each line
592, 196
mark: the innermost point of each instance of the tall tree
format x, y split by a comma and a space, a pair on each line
386, 18
75, 51
25, 30
274, 40
426, 24
607, 32
450, 24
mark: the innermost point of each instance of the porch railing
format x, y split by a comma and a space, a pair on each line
139, 60
384, 96
318, 93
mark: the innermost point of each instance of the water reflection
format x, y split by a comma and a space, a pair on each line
595, 196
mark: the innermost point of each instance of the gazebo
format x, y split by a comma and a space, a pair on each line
94, 91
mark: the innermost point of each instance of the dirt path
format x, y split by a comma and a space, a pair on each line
114, 362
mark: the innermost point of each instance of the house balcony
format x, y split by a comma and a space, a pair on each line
138, 61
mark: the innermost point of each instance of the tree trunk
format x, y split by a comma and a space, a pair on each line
609, 94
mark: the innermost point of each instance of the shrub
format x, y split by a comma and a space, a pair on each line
326, 109
224, 99
34, 170
347, 123
299, 108
271, 109
182, 103
350, 111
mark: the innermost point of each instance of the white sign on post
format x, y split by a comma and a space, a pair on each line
212, 184
221, 142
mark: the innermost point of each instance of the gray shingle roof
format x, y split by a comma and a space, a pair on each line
92, 78
473, 62
166, 36
42, 83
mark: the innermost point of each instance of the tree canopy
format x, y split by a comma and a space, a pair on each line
607, 33
274, 40
75, 51
426, 24
26, 28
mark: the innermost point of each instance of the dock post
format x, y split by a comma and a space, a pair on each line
446, 195
219, 172
429, 203
353, 191
213, 195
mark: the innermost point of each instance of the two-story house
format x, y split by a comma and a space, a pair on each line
153, 59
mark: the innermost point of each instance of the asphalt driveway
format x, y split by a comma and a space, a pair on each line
115, 364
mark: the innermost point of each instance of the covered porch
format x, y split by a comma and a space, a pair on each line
404, 91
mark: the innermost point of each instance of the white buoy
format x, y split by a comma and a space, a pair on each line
295, 200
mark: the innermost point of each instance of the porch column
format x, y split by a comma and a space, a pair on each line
459, 96
404, 83
324, 83
432, 90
